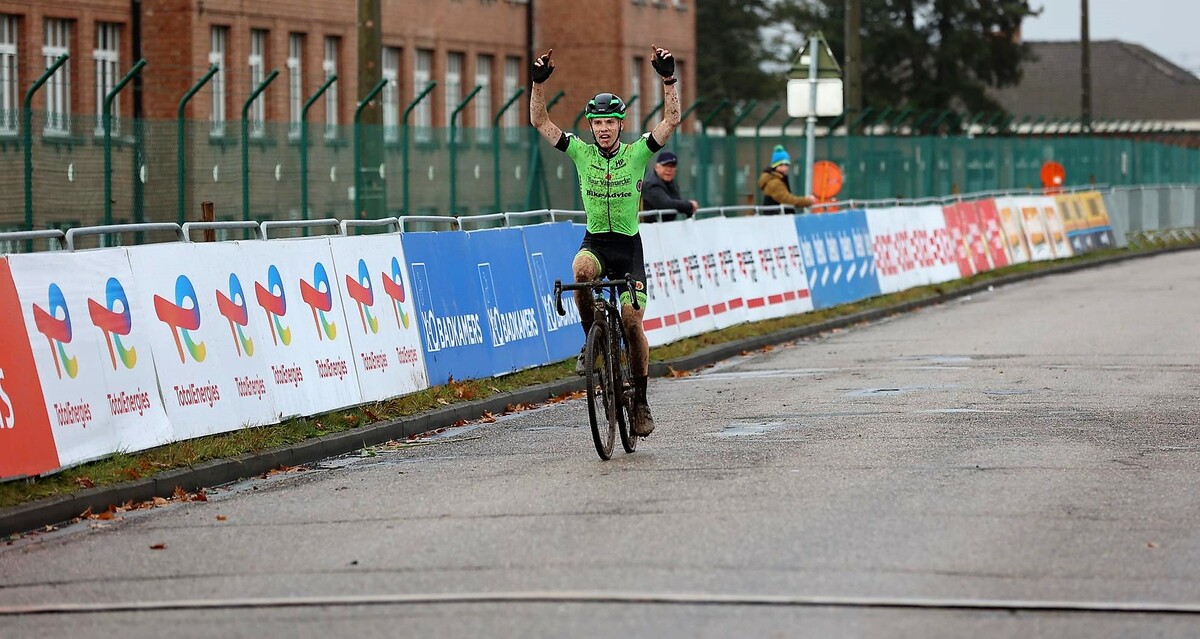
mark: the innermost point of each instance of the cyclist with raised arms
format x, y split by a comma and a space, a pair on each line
610, 182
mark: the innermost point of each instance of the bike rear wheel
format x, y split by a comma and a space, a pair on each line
601, 396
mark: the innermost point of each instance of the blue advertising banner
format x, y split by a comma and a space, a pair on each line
514, 329
550, 248
838, 257
449, 304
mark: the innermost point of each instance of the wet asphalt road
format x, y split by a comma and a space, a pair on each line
1037, 442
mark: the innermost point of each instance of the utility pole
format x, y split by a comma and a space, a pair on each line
853, 59
1085, 56
370, 72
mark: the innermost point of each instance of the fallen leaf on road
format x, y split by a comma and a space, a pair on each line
487, 417
443, 401
158, 547
221, 518
85, 482
674, 373
159, 501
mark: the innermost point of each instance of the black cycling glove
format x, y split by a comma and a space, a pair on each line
663, 64
542, 68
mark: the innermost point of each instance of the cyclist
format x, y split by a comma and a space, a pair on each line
610, 182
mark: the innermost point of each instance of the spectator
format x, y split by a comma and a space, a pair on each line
774, 182
661, 191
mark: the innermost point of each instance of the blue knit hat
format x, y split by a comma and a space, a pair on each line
780, 156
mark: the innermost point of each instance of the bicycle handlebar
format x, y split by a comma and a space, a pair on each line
627, 283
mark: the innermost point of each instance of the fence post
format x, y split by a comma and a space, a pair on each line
358, 181
246, 141
208, 215
404, 139
454, 146
106, 120
688, 111
535, 159
731, 152
27, 127
496, 142
181, 138
312, 99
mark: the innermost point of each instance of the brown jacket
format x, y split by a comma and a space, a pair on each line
775, 191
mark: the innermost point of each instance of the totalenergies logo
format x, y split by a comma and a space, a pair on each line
8, 416
233, 307
362, 292
57, 331
394, 287
319, 298
273, 301
181, 318
114, 319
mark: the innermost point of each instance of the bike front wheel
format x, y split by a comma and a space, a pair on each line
623, 383
601, 396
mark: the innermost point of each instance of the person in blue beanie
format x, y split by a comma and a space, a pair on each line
774, 182
660, 191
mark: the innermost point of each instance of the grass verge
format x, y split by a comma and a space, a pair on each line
124, 467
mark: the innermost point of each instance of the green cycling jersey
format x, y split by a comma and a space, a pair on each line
611, 187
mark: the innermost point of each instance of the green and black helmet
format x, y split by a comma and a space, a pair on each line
605, 105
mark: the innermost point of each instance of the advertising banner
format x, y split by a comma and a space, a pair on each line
726, 290
91, 343
891, 242
26, 437
838, 259
1015, 240
778, 283
1033, 226
297, 293
207, 336
449, 300
1099, 225
682, 254
1056, 231
934, 247
661, 320
959, 217
550, 249
514, 330
975, 237
1070, 209
381, 318
993, 232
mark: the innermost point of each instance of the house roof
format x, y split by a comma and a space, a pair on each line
1129, 82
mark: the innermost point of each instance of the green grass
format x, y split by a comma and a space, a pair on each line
124, 467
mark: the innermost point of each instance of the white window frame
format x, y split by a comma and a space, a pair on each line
512, 81
483, 100
455, 61
10, 86
391, 93
633, 118
295, 67
330, 65
218, 39
57, 41
256, 61
107, 56
423, 112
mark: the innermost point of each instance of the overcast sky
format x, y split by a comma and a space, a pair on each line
1167, 27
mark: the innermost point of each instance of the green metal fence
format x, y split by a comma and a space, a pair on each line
490, 170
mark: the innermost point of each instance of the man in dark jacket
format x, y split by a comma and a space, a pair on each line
660, 191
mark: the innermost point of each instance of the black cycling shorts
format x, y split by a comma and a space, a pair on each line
618, 255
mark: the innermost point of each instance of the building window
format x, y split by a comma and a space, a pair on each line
391, 94
657, 93
483, 99
512, 81
330, 65
295, 67
634, 116
10, 85
423, 113
258, 54
58, 88
454, 88
217, 37
108, 64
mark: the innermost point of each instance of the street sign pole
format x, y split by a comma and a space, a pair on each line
811, 131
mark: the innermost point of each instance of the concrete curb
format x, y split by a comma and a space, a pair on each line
55, 510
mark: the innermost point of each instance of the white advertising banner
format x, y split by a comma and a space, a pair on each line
296, 295
725, 289
92, 347
890, 237
1056, 228
935, 245
660, 320
1015, 239
206, 338
381, 320
779, 284
1033, 226
683, 253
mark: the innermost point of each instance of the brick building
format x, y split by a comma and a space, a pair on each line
601, 45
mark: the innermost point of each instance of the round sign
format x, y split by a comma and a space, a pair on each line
1053, 174
827, 180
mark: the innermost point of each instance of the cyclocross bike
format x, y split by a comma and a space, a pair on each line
606, 356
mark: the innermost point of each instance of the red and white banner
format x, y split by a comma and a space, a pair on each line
960, 218
778, 283
993, 232
381, 321
92, 347
207, 339
727, 287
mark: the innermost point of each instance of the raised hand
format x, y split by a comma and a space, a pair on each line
663, 62
542, 68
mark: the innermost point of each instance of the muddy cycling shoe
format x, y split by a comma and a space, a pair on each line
643, 422
581, 362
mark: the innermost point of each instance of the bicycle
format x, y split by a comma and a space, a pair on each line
611, 385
